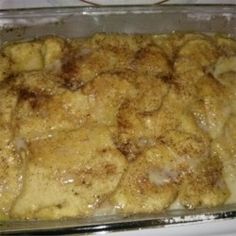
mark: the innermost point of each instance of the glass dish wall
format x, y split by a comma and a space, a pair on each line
81, 22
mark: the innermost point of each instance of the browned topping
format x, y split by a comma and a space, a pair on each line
136, 121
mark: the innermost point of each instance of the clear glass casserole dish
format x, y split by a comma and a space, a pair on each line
80, 22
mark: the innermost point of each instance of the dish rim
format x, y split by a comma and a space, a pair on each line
151, 220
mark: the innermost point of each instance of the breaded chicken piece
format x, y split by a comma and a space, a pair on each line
11, 165
45, 106
106, 93
225, 147
150, 91
35, 55
194, 59
98, 54
208, 99
149, 184
40, 114
212, 107
153, 61
87, 63
179, 161
172, 43
137, 117
189, 149
186, 75
138, 129
225, 71
200, 176
24, 56
196, 55
200, 51
69, 174
206, 187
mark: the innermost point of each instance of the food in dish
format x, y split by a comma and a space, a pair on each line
116, 124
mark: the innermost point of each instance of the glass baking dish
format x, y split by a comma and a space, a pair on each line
85, 21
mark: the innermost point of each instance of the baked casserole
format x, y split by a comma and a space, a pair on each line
116, 124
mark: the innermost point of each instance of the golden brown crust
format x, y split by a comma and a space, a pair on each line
146, 185
11, 163
131, 122
205, 187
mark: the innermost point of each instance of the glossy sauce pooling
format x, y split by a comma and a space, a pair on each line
116, 124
